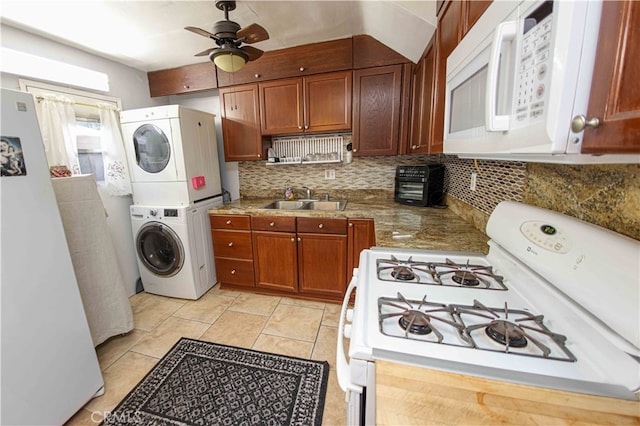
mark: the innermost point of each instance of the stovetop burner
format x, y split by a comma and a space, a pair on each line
477, 327
447, 273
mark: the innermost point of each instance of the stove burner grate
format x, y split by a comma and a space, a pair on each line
468, 275
509, 328
416, 319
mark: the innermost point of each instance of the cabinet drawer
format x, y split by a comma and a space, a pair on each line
273, 223
235, 271
230, 222
322, 225
231, 244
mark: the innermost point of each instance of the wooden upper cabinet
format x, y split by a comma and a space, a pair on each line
448, 34
377, 95
472, 11
369, 52
240, 112
423, 83
316, 58
615, 91
317, 103
188, 79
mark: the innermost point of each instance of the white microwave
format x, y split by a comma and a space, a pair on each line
518, 78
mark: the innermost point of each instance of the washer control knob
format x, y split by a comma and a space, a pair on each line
153, 212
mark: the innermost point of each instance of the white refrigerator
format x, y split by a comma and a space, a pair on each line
49, 368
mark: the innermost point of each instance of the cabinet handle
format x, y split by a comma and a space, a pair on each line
306, 127
230, 244
272, 224
301, 68
299, 239
186, 87
233, 272
351, 225
355, 150
293, 240
580, 122
259, 155
229, 222
256, 75
299, 127
414, 146
321, 226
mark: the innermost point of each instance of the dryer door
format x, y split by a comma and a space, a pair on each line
151, 152
160, 249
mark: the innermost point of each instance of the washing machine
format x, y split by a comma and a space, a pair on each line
172, 155
173, 248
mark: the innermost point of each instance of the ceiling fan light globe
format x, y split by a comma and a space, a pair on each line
228, 62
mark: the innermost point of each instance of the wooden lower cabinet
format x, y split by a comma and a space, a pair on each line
232, 249
322, 264
310, 258
275, 260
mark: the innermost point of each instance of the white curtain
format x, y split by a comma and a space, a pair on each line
116, 173
57, 123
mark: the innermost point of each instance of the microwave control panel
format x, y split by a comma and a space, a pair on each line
534, 66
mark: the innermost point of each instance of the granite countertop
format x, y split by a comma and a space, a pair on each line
396, 225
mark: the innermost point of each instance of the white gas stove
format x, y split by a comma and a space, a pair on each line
555, 303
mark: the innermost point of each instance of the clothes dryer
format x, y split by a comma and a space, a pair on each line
173, 248
172, 154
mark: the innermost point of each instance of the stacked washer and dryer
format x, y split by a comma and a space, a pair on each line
175, 177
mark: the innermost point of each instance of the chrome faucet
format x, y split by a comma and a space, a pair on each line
305, 190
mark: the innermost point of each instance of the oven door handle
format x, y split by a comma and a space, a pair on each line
342, 366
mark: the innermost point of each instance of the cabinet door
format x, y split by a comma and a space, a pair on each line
448, 35
327, 102
361, 234
322, 263
376, 110
615, 91
187, 79
241, 123
472, 11
275, 260
281, 106
423, 83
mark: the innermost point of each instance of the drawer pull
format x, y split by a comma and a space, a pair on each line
230, 244
321, 226
229, 222
233, 272
272, 224
351, 225
256, 75
299, 239
301, 68
293, 240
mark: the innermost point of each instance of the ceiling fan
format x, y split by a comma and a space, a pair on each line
229, 56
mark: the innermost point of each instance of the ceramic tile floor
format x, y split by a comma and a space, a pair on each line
280, 325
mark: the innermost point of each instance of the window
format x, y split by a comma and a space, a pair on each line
87, 122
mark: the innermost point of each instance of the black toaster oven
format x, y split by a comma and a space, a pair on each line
420, 185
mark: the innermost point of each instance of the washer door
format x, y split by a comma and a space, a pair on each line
152, 148
160, 249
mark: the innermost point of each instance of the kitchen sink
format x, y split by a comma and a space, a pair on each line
337, 205
285, 205
326, 205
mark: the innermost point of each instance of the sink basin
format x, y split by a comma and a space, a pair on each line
285, 205
337, 205
326, 205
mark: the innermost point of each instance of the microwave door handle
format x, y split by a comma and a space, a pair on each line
496, 123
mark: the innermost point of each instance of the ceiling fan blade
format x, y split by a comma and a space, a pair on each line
201, 32
205, 52
252, 52
253, 34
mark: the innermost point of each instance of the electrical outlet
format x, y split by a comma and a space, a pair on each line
474, 178
330, 174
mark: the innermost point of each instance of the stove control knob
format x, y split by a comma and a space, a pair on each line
347, 331
349, 315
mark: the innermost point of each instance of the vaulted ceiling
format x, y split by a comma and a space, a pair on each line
150, 35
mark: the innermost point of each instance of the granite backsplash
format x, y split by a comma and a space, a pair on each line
607, 195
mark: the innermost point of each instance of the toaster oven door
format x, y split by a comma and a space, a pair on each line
411, 192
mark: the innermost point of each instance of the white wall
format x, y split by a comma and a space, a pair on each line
126, 83
210, 102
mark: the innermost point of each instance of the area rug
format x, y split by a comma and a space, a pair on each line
203, 383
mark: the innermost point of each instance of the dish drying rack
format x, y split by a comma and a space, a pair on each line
317, 149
